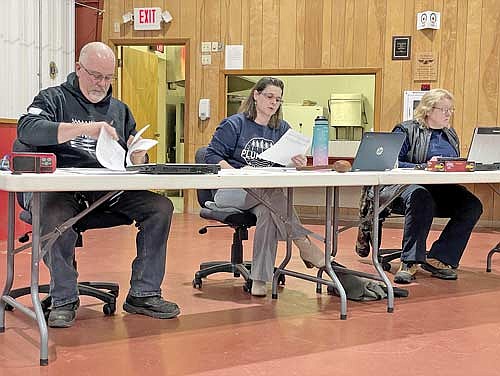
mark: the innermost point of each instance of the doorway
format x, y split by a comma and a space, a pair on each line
151, 81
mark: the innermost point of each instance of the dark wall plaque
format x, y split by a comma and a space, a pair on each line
401, 48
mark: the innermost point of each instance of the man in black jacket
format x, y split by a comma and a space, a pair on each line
66, 120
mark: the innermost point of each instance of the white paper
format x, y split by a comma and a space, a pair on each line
290, 144
139, 144
109, 152
234, 56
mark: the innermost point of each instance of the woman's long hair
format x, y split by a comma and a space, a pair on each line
249, 108
427, 103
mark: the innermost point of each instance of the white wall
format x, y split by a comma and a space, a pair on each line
32, 34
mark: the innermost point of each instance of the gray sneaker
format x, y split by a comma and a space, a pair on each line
406, 273
63, 316
153, 306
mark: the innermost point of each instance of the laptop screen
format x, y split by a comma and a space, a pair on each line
378, 151
485, 145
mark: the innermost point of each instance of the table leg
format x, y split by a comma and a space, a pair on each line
375, 244
330, 214
288, 256
10, 258
35, 268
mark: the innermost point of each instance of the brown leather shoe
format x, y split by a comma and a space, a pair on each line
406, 273
439, 269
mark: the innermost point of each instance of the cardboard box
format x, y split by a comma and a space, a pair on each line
451, 165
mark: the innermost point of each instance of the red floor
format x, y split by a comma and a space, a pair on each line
443, 328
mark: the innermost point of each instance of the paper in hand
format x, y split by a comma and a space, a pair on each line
290, 144
139, 144
109, 152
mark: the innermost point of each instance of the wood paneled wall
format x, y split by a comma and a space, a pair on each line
325, 34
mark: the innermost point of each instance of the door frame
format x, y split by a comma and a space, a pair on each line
115, 43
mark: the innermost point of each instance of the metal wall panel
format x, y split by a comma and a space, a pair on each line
24, 67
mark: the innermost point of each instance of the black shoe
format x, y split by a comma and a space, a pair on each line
63, 316
406, 273
439, 269
154, 306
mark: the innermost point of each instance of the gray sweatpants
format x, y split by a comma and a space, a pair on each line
269, 228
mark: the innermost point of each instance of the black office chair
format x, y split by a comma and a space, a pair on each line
107, 292
495, 249
237, 220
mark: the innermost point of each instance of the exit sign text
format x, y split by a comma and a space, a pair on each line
147, 18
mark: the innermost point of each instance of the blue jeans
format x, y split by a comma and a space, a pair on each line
152, 214
420, 204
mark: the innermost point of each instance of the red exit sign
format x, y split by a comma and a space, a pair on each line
147, 18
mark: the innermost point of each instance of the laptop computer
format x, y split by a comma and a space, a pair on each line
485, 148
378, 151
175, 168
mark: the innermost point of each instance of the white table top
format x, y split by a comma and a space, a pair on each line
63, 180
70, 181
403, 176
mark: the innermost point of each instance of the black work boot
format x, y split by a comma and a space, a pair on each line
63, 316
154, 306
406, 273
439, 269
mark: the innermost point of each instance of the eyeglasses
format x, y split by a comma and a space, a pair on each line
271, 96
98, 77
446, 110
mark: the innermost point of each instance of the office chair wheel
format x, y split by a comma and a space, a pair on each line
24, 238
197, 282
386, 266
109, 309
281, 280
8, 307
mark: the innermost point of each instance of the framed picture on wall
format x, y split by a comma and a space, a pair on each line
401, 47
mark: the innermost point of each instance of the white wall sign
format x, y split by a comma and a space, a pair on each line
428, 20
411, 99
233, 58
147, 18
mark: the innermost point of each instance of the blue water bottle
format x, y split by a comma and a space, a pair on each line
320, 141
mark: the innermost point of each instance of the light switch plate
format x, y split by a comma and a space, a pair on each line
215, 46
206, 46
117, 27
206, 59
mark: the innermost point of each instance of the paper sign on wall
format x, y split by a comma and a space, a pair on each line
428, 20
233, 58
